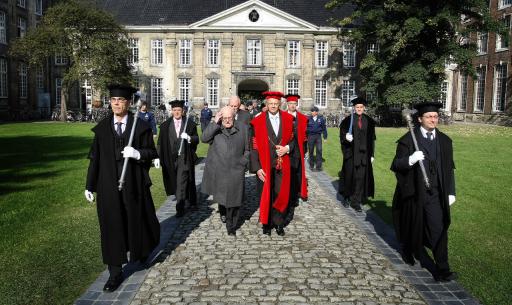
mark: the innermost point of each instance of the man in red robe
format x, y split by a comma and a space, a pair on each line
273, 142
299, 187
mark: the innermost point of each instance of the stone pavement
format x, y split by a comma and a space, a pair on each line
329, 255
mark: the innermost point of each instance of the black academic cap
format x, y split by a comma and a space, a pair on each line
425, 107
177, 103
359, 100
119, 90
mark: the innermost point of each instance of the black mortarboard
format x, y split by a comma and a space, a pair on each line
359, 100
177, 103
117, 90
427, 107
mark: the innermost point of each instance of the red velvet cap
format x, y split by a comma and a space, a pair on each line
292, 97
272, 94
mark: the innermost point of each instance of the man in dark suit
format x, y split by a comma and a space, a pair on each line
273, 142
128, 223
178, 165
316, 129
241, 116
206, 116
357, 146
421, 215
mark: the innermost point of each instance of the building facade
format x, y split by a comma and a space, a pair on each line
239, 48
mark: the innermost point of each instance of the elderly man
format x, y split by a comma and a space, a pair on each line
127, 221
224, 172
273, 142
421, 215
241, 116
178, 166
357, 146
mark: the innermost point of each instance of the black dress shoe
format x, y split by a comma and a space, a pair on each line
408, 259
231, 233
267, 231
358, 208
345, 204
223, 218
280, 230
446, 276
113, 283
180, 213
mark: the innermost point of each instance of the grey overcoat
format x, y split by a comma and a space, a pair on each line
228, 155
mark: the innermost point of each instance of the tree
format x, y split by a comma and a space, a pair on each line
415, 39
95, 45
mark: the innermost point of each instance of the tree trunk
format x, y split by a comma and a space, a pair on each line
63, 103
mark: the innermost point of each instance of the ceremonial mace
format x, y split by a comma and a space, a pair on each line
125, 164
184, 129
351, 119
407, 114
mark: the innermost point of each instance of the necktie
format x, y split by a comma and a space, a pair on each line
360, 122
429, 135
177, 126
119, 130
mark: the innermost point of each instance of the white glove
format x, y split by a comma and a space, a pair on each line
89, 196
415, 157
156, 162
372, 159
451, 199
185, 136
349, 137
130, 152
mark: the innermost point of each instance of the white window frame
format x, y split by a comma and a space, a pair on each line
504, 3
213, 52
87, 87
349, 54
58, 90
21, 3
185, 50
22, 27
212, 92
348, 89
157, 91
254, 52
40, 77
499, 39
482, 40
499, 100
463, 89
3, 77
185, 88
372, 47
321, 53
3, 27
157, 52
443, 94
133, 45
23, 80
292, 86
320, 93
479, 90
293, 54
39, 7
61, 60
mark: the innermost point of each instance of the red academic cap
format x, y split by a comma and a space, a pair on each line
292, 97
272, 94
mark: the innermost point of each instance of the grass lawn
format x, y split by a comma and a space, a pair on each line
49, 246
480, 237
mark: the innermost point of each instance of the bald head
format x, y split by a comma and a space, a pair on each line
228, 116
234, 103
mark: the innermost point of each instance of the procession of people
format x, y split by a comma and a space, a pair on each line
271, 144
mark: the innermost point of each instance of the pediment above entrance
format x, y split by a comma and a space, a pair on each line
254, 15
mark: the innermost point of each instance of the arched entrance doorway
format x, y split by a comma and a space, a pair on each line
251, 89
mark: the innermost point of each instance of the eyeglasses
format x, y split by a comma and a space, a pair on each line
227, 119
118, 99
431, 117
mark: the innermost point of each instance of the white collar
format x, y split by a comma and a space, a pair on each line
124, 120
273, 115
424, 132
293, 113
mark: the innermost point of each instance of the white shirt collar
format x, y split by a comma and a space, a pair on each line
124, 120
293, 113
424, 132
273, 115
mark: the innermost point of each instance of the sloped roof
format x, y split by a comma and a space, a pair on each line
186, 12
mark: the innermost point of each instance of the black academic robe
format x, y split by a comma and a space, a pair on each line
410, 192
127, 218
178, 172
351, 152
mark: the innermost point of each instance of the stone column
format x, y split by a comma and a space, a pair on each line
198, 81
227, 85
307, 72
280, 59
170, 80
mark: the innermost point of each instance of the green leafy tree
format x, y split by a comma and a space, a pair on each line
415, 39
95, 45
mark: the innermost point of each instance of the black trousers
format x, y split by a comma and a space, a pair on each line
204, 125
435, 231
315, 141
359, 181
232, 216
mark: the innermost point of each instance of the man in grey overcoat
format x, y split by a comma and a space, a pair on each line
224, 172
